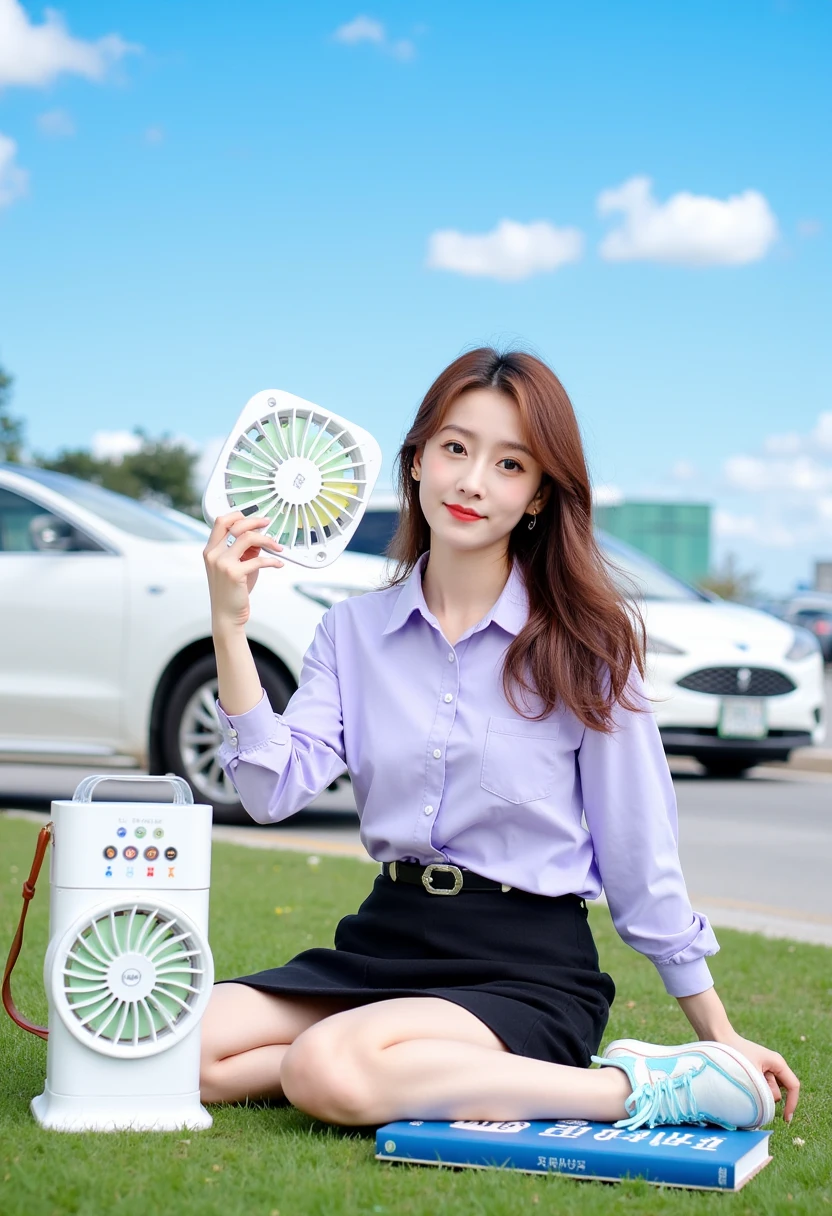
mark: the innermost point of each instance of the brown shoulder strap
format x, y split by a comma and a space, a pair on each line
44, 836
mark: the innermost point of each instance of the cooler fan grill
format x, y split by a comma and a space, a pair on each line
326, 473
101, 962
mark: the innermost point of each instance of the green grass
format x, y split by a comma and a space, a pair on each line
260, 1160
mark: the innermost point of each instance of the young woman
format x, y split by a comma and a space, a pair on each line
489, 706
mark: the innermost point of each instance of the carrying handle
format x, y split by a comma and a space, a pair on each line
182, 794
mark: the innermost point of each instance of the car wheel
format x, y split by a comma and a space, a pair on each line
191, 734
715, 767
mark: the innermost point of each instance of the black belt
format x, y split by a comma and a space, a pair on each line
440, 879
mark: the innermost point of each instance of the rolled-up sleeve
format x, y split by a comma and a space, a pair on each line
280, 762
630, 808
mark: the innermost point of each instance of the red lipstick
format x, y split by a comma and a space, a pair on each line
462, 513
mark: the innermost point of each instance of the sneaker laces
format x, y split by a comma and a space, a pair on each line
664, 1099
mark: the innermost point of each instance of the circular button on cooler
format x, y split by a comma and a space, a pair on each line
110, 852
158, 833
121, 831
171, 854
140, 832
151, 853
131, 853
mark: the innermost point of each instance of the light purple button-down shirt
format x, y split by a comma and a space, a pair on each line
444, 770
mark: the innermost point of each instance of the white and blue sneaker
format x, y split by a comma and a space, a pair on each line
700, 1083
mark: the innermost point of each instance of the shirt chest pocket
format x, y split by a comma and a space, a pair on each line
520, 759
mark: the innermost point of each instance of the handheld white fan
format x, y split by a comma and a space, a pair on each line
309, 471
128, 969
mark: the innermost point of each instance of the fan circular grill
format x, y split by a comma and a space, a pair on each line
303, 469
132, 979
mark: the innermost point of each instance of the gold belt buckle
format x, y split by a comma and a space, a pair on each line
427, 875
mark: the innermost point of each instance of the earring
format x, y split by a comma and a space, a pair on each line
532, 521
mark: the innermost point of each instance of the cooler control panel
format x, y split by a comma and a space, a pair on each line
143, 845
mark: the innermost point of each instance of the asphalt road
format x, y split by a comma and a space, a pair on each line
757, 852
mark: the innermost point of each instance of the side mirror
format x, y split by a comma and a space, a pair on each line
50, 534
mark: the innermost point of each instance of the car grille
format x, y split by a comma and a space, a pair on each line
738, 682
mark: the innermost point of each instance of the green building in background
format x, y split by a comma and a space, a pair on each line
676, 534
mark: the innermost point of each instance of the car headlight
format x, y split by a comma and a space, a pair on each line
804, 644
657, 646
328, 593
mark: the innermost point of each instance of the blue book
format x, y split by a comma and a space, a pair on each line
704, 1158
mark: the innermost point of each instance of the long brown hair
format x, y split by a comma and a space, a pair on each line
581, 638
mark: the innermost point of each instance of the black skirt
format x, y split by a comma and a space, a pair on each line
525, 965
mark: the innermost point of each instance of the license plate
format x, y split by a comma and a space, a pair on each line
742, 718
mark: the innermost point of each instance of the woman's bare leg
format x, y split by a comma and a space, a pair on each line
245, 1034
427, 1058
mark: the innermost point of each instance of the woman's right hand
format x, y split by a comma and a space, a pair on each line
232, 569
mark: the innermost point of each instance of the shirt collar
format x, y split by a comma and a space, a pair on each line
510, 612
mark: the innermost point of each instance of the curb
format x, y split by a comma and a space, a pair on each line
806, 760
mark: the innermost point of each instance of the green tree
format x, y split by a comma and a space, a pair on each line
11, 429
160, 469
730, 582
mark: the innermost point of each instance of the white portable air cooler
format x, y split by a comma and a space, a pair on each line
128, 969
307, 470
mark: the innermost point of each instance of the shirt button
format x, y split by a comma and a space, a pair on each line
451, 657
449, 696
428, 810
436, 753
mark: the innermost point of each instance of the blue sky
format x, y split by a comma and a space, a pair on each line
200, 201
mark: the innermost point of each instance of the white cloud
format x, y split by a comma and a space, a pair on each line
209, 450
783, 445
781, 497
772, 535
509, 251
14, 181
760, 474
36, 54
822, 434
403, 48
688, 229
360, 29
683, 470
114, 445
605, 494
56, 123
367, 29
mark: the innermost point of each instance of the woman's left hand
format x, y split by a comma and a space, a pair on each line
773, 1067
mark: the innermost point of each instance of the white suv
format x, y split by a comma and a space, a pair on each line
104, 611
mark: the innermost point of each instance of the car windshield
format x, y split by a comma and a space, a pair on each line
631, 570
125, 513
374, 532
628, 566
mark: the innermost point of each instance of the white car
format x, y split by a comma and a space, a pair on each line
732, 686
105, 618
108, 659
